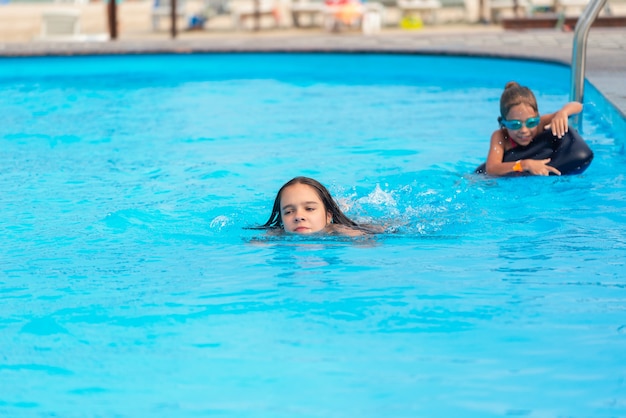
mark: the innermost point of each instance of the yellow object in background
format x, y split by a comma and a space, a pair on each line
411, 22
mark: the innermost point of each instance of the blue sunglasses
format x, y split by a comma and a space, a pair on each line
517, 124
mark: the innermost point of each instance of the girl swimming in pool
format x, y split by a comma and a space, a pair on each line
304, 206
520, 123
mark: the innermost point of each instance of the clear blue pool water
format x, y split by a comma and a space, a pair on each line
130, 286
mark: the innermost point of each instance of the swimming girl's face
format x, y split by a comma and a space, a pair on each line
302, 211
524, 135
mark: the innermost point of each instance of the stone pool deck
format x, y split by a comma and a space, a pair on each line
605, 62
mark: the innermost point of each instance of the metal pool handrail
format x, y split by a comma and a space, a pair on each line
579, 49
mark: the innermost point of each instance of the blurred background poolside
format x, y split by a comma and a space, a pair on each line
26, 20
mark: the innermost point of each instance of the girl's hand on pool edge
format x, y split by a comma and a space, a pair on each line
540, 167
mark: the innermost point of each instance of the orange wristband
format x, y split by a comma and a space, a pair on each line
518, 166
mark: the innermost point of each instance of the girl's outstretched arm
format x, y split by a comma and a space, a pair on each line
558, 121
496, 167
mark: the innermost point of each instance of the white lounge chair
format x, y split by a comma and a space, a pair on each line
64, 25
60, 22
373, 17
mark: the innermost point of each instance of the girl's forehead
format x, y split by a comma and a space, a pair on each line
298, 191
521, 110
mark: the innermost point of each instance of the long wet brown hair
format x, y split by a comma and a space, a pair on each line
337, 216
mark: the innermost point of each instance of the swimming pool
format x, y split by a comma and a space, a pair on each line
130, 285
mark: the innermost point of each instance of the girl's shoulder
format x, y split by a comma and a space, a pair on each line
337, 229
499, 139
356, 231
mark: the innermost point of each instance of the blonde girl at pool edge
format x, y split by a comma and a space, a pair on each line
520, 123
304, 206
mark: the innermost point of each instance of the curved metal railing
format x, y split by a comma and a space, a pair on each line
579, 50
